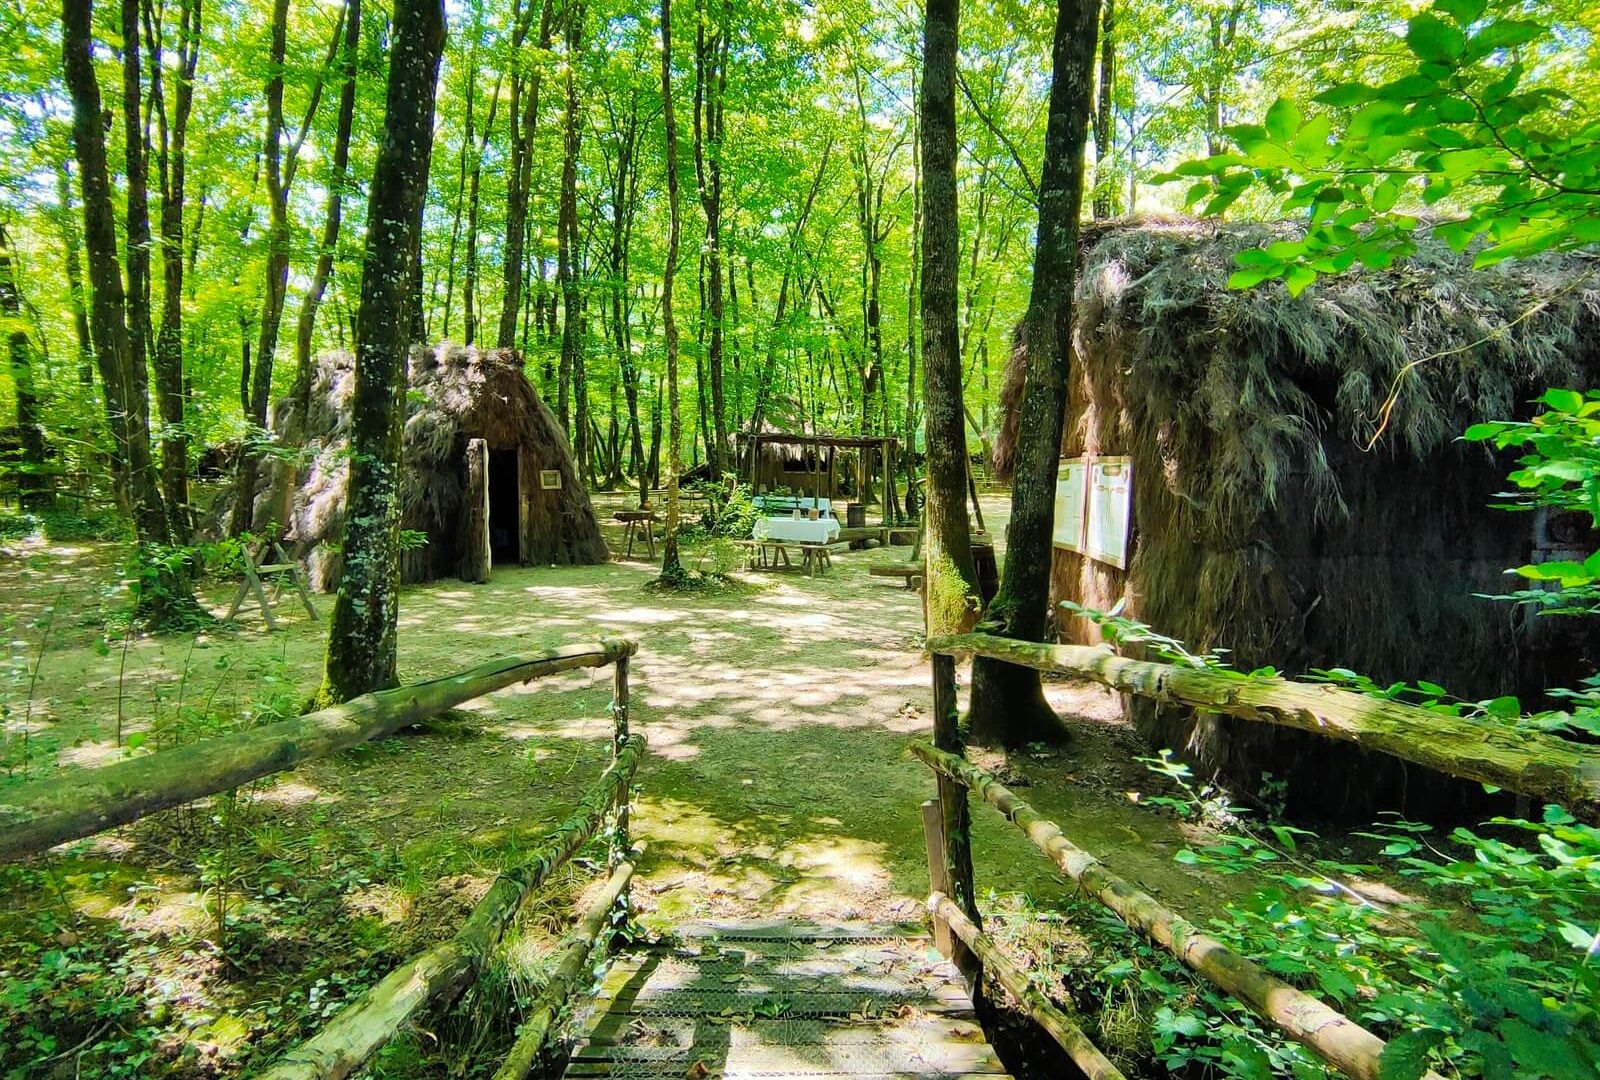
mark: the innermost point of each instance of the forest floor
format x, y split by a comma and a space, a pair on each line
777, 784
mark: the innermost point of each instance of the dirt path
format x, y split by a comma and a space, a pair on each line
777, 781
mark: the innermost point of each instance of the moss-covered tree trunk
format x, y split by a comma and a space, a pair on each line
361, 641
31, 486
950, 587
671, 567
1008, 705
519, 172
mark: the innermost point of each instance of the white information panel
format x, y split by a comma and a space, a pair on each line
1110, 504
1070, 484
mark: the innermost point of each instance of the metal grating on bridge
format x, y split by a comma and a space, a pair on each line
741, 1001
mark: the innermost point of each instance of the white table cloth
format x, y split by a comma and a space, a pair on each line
803, 531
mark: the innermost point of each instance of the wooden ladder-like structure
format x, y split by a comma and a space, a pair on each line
782, 1001
281, 568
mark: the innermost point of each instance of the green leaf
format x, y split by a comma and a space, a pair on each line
1431, 38
1567, 401
1299, 279
1283, 120
1406, 1055
1464, 12
1346, 94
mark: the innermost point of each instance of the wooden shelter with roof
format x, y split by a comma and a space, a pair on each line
1263, 516
812, 466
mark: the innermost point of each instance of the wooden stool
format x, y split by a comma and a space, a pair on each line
282, 567
639, 522
818, 558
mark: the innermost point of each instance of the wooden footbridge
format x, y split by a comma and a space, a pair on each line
767, 1000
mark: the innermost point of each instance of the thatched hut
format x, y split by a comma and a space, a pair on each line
1264, 523
538, 511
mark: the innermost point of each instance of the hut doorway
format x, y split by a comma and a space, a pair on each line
505, 498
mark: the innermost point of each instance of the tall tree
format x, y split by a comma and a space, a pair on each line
281, 166
1105, 115
671, 567
72, 249
361, 653
172, 163
1008, 703
950, 585
30, 431
573, 373
710, 88
519, 175
335, 181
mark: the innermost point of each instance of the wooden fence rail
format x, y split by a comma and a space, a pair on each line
1338, 1040
44, 813
1527, 763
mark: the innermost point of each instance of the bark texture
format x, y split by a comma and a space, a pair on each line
671, 567
950, 586
361, 641
476, 555
1008, 704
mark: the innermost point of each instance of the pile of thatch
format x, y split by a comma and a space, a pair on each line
454, 394
1264, 523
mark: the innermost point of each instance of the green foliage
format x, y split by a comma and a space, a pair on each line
1481, 967
1471, 136
63, 526
729, 510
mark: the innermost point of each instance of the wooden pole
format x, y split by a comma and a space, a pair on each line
956, 825
476, 558
39, 815
574, 964
621, 842
1068, 1036
1338, 1040
1525, 763
443, 971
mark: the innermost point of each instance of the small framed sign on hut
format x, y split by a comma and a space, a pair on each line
1110, 510
550, 479
1070, 482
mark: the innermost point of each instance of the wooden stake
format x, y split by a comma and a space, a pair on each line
1068, 1036
955, 824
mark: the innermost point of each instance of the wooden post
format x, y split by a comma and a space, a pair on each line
476, 558
938, 872
620, 840
955, 818
888, 478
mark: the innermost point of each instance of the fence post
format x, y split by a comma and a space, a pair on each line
620, 840
955, 821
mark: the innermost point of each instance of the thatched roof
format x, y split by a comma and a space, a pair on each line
454, 394
1152, 301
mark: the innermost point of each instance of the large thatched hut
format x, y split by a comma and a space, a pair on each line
538, 511
1265, 519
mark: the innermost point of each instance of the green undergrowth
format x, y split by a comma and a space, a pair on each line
1473, 953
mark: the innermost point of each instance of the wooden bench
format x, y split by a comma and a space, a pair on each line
818, 558
910, 573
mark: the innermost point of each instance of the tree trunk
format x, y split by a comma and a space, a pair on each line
306, 324
361, 640
1105, 117
474, 180
1008, 704
710, 55
33, 492
519, 175
950, 584
72, 249
567, 242
173, 168
671, 568
128, 413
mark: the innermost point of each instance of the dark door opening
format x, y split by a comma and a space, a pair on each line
505, 517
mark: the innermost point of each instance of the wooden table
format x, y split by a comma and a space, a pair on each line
639, 522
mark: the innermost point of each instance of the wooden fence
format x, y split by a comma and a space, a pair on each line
40, 815
1335, 1038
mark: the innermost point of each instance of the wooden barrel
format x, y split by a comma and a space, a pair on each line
855, 515
983, 561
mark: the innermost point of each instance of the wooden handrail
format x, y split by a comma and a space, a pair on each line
39, 815
443, 971
1332, 1036
1524, 762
